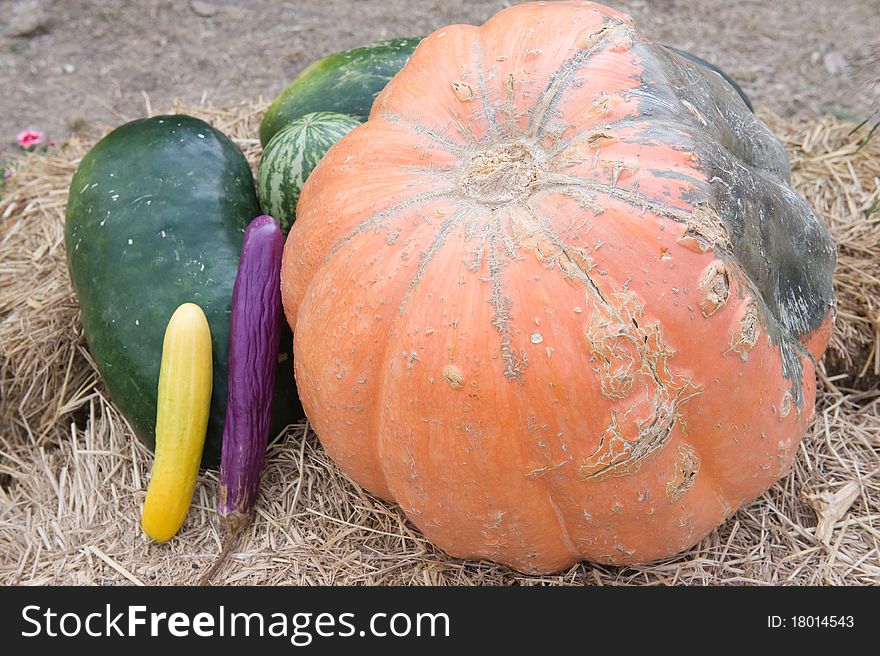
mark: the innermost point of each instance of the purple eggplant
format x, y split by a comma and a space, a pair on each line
254, 332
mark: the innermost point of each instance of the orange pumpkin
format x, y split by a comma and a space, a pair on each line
556, 298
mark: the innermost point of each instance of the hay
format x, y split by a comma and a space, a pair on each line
72, 478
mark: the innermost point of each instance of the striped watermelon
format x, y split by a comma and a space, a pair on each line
346, 82
290, 157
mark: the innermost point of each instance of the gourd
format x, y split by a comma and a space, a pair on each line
290, 157
184, 401
556, 297
155, 218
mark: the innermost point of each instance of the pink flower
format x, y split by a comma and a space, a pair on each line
7, 174
29, 138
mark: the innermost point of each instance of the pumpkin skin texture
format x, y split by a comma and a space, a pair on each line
556, 297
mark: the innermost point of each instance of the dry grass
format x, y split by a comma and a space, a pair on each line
72, 478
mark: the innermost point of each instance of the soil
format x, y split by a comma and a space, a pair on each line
91, 63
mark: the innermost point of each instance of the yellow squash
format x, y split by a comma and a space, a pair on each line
182, 412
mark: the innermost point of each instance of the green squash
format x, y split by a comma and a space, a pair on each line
344, 82
155, 218
290, 157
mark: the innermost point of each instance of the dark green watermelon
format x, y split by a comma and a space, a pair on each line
155, 218
290, 157
344, 82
